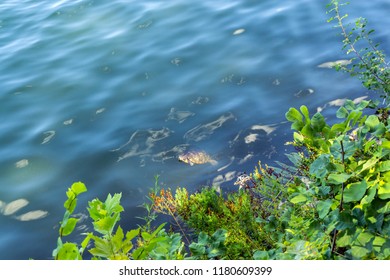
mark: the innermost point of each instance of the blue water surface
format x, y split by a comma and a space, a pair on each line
111, 92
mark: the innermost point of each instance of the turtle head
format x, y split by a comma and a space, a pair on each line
182, 158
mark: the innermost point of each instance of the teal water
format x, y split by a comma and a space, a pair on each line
111, 92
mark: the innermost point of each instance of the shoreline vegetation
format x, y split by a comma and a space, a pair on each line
332, 201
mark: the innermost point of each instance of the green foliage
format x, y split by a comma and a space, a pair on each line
369, 63
208, 211
347, 194
209, 247
67, 225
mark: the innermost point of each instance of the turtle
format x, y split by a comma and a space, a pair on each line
196, 157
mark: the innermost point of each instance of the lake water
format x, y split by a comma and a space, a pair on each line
111, 92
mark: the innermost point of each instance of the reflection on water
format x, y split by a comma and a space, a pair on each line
9, 209
179, 116
141, 142
203, 131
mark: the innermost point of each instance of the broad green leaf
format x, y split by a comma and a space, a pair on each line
334, 178
305, 112
106, 224
323, 208
298, 137
359, 252
385, 144
355, 191
370, 195
318, 122
342, 113
293, 115
384, 166
261, 255
70, 203
378, 243
69, 226
368, 164
69, 251
112, 203
197, 249
318, 167
203, 238
345, 221
349, 105
78, 188
102, 247
344, 239
298, 199
363, 238
96, 209
307, 131
130, 235
338, 127
385, 209
219, 236
214, 252
117, 240
146, 236
384, 191
371, 122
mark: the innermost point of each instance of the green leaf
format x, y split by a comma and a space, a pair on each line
385, 144
69, 251
102, 247
69, 226
345, 239
146, 236
355, 191
293, 115
197, 249
298, 137
342, 113
130, 235
323, 208
78, 188
378, 243
106, 224
261, 255
203, 238
359, 252
71, 202
219, 236
318, 122
371, 122
385, 209
318, 167
363, 238
336, 179
370, 195
305, 112
85, 242
384, 166
298, 199
384, 191
112, 203
117, 239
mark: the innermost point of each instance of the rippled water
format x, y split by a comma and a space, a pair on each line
111, 92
